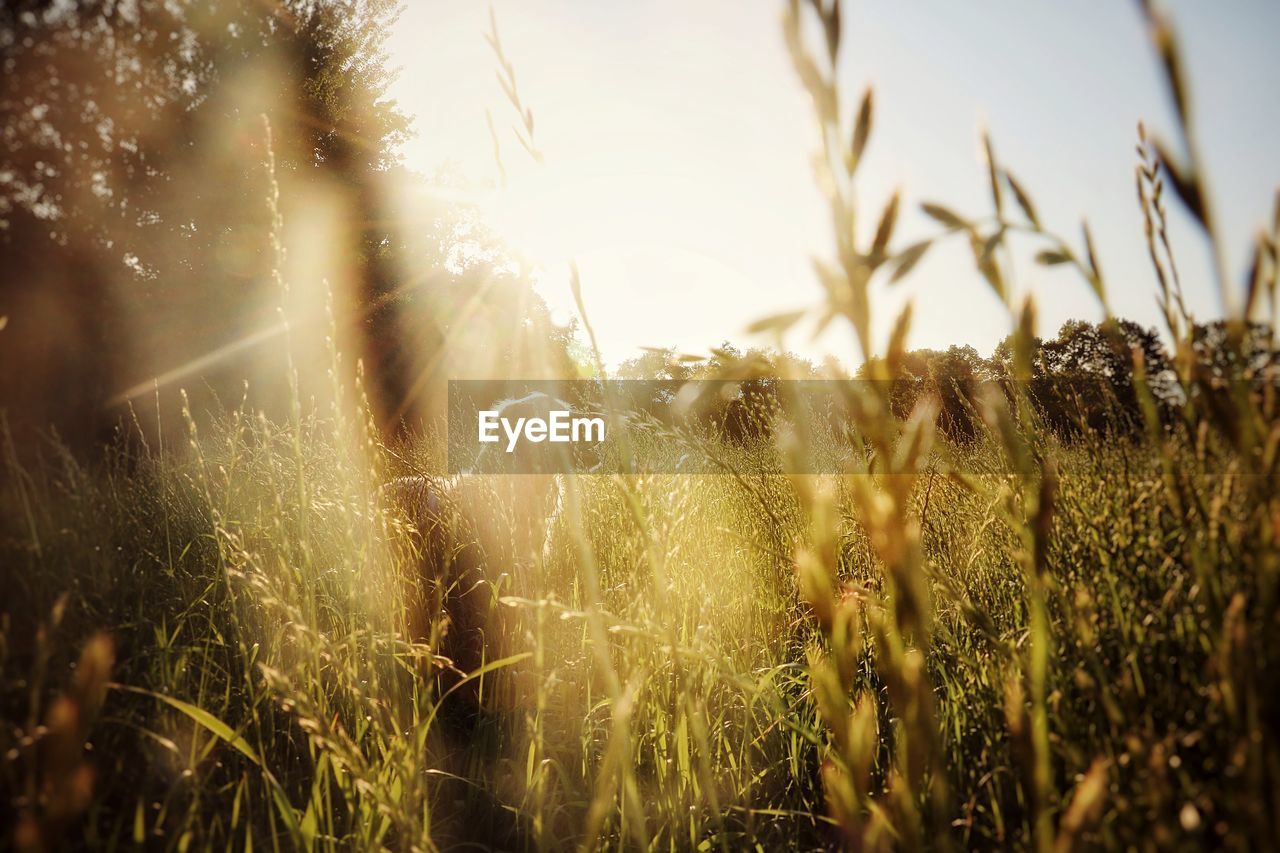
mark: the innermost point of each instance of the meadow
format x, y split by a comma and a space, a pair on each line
656, 682
223, 635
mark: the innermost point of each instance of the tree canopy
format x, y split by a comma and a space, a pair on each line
167, 169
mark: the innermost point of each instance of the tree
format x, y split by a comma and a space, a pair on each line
1235, 352
951, 377
1085, 379
134, 195
84, 90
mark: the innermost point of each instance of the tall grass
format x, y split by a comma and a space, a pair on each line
265, 690
1018, 643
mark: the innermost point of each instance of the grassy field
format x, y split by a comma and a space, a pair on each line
238, 639
652, 678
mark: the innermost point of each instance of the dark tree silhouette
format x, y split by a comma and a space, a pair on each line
133, 192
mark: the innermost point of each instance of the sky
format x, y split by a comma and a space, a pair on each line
678, 146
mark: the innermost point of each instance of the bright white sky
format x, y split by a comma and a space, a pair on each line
678, 145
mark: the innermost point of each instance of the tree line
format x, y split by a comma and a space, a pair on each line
1089, 378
